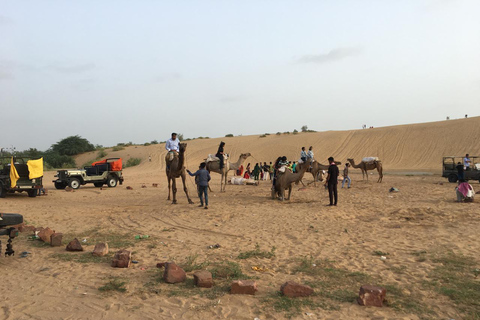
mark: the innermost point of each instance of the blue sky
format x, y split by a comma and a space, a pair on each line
119, 71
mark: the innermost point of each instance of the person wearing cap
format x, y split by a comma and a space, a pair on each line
172, 146
332, 181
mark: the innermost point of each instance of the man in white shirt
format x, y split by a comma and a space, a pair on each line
466, 162
172, 146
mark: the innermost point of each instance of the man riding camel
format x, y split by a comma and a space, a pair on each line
173, 147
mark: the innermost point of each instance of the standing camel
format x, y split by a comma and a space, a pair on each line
317, 168
176, 169
365, 166
214, 166
285, 180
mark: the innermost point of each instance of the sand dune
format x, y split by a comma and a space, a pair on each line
405, 147
413, 226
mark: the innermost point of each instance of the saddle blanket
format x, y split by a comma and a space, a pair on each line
370, 159
213, 158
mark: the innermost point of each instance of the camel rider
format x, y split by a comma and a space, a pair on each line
172, 146
220, 154
310, 154
303, 155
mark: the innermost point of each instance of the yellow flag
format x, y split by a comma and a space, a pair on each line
13, 175
35, 168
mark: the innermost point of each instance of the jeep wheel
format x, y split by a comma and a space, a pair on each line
74, 183
32, 193
10, 219
98, 184
3, 190
60, 185
112, 182
452, 178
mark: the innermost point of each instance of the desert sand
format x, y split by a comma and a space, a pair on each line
410, 228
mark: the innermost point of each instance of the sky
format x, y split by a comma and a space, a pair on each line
117, 71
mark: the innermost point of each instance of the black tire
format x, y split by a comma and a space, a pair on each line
10, 219
32, 193
98, 184
452, 178
112, 182
60, 185
3, 190
74, 183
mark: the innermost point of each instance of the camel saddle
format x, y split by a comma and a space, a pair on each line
370, 159
213, 158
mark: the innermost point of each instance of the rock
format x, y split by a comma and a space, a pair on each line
45, 234
371, 296
122, 259
155, 185
173, 273
161, 264
203, 279
56, 239
100, 249
25, 228
69, 189
292, 289
74, 245
243, 287
129, 188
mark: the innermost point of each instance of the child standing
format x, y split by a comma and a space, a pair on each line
345, 175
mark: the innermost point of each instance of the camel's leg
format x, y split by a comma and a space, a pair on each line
168, 178
314, 179
366, 173
174, 190
289, 192
185, 188
380, 174
225, 181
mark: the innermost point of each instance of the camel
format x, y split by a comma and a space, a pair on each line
285, 180
365, 166
214, 166
176, 169
316, 170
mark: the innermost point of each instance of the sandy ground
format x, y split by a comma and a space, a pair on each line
422, 217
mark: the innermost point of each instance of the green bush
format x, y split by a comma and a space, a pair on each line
229, 135
72, 145
133, 162
118, 148
146, 144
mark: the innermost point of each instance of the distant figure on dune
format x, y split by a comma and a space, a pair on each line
466, 116
464, 191
332, 182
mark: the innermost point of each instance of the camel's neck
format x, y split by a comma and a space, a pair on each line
236, 165
352, 162
295, 177
181, 160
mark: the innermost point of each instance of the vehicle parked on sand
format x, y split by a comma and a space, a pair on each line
107, 171
24, 183
7, 221
449, 168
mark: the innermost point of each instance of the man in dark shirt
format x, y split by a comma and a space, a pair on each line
202, 177
220, 154
332, 181
460, 171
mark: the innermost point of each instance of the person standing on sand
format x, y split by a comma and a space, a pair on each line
271, 170
202, 177
345, 176
256, 172
460, 172
332, 181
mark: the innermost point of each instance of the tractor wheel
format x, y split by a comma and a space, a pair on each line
112, 182
32, 193
74, 183
452, 178
11, 219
